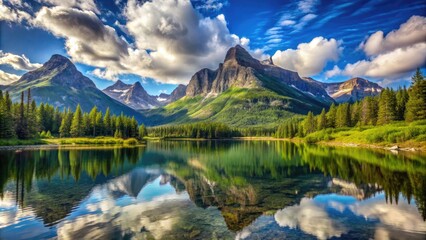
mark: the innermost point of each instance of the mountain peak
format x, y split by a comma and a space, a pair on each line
118, 85
238, 53
57, 60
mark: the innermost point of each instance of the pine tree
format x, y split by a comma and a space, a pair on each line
7, 127
322, 120
22, 126
401, 101
92, 117
77, 123
387, 107
416, 107
343, 115
142, 131
309, 124
64, 129
331, 116
107, 122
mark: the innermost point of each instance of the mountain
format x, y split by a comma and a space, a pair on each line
135, 96
178, 93
59, 83
352, 90
243, 92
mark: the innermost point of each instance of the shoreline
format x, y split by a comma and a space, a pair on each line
393, 147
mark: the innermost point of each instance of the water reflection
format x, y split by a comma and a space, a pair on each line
203, 190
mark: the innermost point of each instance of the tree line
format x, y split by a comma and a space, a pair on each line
26, 120
208, 130
400, 105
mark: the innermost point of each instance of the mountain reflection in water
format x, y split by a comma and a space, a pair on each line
212, 190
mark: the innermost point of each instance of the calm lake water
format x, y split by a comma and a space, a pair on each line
212, 190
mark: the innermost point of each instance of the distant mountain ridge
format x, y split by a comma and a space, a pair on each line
352, 90
136, 97
59, 83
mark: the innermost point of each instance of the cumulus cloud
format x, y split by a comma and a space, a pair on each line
7, 78
310, 218
409, 33
333, 72
177, 36
171, 39
394, 64
309, 58
17, 62
88, 5
12, 14
394, 56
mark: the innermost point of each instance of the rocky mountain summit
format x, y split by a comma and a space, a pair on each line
241, 70
352, 90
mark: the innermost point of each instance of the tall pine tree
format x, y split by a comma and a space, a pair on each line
77, 123
416, 105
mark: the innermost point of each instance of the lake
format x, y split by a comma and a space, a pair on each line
212, 190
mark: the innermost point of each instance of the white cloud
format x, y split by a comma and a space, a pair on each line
104, 74
310, 218
409, 33
17, 62
309, 58
171, 39
178, 36
304, 20
333, 72
10, 14
211, 5
287, 22
7, 78
307, 6
394, 64
88, 5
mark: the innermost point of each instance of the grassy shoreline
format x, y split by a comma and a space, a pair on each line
69, 141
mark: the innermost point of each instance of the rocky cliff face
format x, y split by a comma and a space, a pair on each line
242, 70
352, 90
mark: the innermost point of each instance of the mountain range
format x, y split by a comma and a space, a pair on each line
242, 91
135, 96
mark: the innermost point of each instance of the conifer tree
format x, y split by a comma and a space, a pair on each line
22, 126
401, 101
331, 116
322, 120
387, 107
416, 107
64, 129
77, 123
309, 124
107, 122
343, 115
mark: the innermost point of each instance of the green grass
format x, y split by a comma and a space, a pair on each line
394, 133
15, 142
94, 141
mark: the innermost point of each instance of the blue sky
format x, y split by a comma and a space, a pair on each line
162, 43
